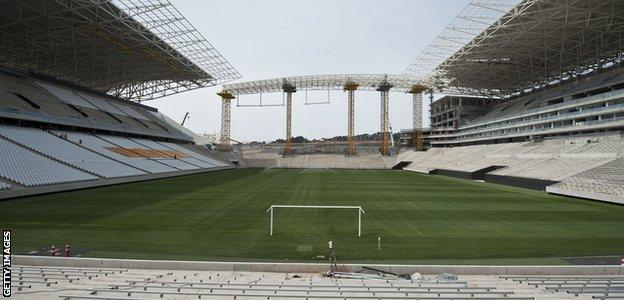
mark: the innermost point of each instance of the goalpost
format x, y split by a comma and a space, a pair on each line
359, 209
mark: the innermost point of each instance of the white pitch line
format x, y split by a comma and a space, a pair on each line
413, 228
374, 171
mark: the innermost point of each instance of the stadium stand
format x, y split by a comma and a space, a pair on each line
62, 127
26, 98
28, 168
4, 186
57, 134
81, 105
101, 146
171, 157
593, 103
97, 283
51, 103
193, 157
603, 287
589, 164
605, 179
167, 164
53, 146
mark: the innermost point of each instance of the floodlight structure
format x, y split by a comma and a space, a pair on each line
502, 48
346, 82
137, 50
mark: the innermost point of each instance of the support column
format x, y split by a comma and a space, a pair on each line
417, 121
289, 89
384, 147
226, 112
350, 87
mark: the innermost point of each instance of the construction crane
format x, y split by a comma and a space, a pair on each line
186, 116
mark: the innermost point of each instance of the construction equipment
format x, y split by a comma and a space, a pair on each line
186, 116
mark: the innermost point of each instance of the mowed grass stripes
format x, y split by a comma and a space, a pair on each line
221, 215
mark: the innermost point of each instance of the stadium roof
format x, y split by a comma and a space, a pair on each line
134, 49
322, 82
502, 47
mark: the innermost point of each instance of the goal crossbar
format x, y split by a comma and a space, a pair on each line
359, 208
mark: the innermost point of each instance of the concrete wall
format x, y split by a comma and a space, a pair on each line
309, 267
452, 173
528, 183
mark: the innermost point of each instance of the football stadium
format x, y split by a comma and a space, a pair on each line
508, 183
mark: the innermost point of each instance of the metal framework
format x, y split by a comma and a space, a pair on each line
346, 82
367, 82
384, 121
288, 89
134, 49
359, 209
417, 118
350, 87
502, 47
226, 114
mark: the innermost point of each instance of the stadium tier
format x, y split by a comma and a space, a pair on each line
53, 135
594, 103
52, 146
589, 164
121, 283
28, 168
24, 98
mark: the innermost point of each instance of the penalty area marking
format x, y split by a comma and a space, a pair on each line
359, 208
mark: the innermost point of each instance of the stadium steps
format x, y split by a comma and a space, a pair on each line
310, 290
149, 158
598, 287
603, 180
50, 157
205, 158
98, 153
94, 283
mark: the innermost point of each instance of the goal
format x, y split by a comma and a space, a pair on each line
272, 208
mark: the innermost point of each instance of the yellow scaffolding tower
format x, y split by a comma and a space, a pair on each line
226, 113
350, 87
289, 89
417, 119
383, 88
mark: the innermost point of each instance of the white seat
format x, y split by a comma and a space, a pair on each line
63, 150
31, 169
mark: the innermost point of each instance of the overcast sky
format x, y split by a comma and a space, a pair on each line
274, 38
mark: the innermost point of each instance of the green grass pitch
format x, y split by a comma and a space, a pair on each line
221, 216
